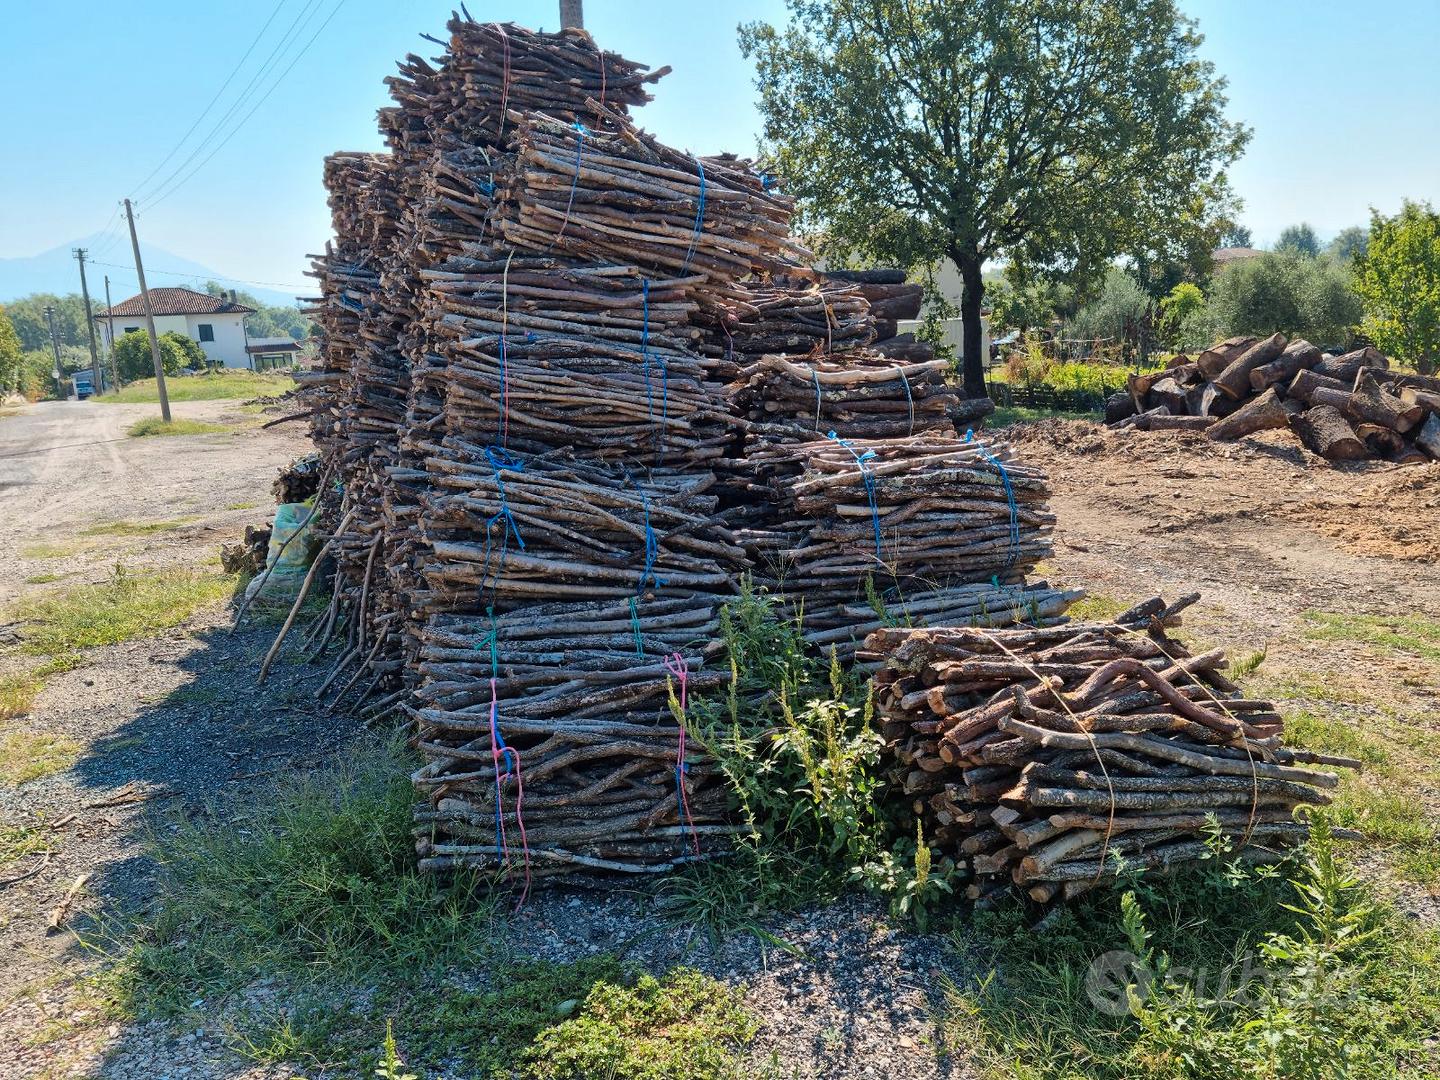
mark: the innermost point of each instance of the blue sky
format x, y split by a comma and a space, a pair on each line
1343, 98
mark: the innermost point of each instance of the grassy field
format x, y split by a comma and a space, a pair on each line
217, 386
153, 425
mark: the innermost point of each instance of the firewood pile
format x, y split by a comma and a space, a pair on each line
572, 407
1047, 759
1347, 407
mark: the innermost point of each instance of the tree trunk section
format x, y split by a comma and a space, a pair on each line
1346, 367
1269, 410
1217, 358
1305, 383
1429, 437
1373, 405
1326, 432
1235, 379
1298, 355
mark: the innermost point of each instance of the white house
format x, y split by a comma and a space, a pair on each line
216, 322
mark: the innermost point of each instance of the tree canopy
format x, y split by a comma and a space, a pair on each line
1235, 235
133, 360
1059, 135
1286, 292
1348, 243
268, 320
1299, 240
1398, 279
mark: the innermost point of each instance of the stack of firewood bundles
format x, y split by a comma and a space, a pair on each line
610, 785
1046, 760
548, 351
1344, 408
857, 395
612, 192
850, 524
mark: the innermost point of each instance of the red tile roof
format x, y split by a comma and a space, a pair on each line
176, 302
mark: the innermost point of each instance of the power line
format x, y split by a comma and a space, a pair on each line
285, 40
200, 277
206, 111
159, 197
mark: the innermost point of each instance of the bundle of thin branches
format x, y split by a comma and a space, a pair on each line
611, 191
857, 395
1053, 759
509, 530
565, 721
785, 314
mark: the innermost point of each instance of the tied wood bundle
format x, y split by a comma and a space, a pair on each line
910, 514
548, 352
555, 740
614, 192
786, 315
857, 395
1047, 758
1342, 407
844, 628
507, 530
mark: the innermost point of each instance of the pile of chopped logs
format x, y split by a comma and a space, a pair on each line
1046, 759
1342, 407
568, 376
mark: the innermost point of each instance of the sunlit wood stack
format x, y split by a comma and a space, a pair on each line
1047, 760
1346, 407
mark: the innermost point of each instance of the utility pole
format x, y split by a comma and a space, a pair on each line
55, 348
572, 14
110, 340
149, 318
96, 382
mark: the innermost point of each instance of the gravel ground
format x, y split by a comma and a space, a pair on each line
176, 719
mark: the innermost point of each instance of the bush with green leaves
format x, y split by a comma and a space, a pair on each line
1116, 314
1398, 279
191, 352
133, 359
1287, 293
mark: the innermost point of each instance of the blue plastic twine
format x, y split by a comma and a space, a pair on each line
909, 400
1014, 549
499, 459
699, 221
575, 181
863, 460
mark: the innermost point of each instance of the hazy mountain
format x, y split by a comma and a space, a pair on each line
56, 271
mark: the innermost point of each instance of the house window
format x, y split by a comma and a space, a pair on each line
132, 329
207, 332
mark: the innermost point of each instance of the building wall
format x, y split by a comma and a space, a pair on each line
228, 348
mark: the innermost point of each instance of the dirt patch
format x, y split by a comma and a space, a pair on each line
1396, 516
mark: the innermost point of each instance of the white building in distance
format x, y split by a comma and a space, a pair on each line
216, 322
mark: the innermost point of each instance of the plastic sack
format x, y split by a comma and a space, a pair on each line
287, 568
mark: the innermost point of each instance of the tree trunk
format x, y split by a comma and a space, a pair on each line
1235, 379
973, 293
1298, 354
1369, 403
1269, 410
1325, 431
1306, 382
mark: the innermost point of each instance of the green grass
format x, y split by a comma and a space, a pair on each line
128, 606
42, 579
1005, 415
52, 550
17, 841
1232, 994
1096, 607
219, 386
135, 528
1412, 634
242, 506
153, 425
316, 894
1381, 801
29, 755
17, 694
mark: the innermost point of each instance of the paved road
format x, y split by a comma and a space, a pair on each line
68, 465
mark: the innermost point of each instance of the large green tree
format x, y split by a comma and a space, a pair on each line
1057, 133
1299, 240
1398, 279
268, 320
1287, 292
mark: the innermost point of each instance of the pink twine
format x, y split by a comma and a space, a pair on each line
677, 665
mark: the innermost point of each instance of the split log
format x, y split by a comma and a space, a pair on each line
1426, 399
1119, 406
1214, 403
1324, 430
1269, 410
1169, 393
1428, 438
1182, 423
1382, 441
